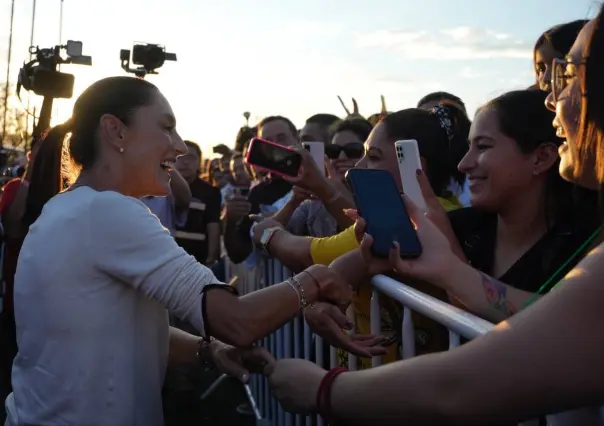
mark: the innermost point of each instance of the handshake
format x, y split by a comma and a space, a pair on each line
294, 382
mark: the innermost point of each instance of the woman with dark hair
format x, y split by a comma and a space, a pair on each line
442, 144
552, 44
305, 216
527, 227
545, 359
98, 274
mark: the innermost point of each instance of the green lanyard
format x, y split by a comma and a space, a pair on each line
561, 268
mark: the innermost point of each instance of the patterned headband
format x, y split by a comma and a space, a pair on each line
446, 122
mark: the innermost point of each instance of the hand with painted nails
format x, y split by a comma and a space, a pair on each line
436, 261
329, 322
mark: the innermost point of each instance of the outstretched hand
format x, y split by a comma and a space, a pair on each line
240, 363
329, 322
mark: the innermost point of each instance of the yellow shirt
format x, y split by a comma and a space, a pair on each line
325, 250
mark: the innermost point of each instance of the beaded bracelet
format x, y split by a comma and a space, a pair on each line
324, 395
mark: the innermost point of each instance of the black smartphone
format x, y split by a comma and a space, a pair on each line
379, 202
274, 158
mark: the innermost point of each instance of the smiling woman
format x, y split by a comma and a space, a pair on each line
98, 274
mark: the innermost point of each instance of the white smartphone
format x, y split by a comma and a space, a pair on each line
407, 155
317, 150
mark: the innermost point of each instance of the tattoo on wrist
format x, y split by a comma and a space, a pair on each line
496, 294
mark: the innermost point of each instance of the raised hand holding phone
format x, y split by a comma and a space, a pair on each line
378, 201
274, 158
434, 264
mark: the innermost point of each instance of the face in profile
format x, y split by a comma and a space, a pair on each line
493, 183
575, 166
151, 146
544, 56
380, 154
278, 131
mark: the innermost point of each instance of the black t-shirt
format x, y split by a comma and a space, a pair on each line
476, 232
204, 209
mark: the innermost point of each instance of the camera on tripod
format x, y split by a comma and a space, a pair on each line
41, 76
150, 57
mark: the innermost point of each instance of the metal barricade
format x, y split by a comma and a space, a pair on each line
295, 340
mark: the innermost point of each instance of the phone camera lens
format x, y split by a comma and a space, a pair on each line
288, 162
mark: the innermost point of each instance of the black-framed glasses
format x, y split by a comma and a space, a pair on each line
352, 150
559, 77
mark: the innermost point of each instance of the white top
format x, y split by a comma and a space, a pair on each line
94, 278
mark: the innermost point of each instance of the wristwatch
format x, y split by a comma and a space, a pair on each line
266, 237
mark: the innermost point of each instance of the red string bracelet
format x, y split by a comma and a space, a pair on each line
324, 394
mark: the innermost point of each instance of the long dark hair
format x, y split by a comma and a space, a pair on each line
52, 171
441, 151
591, 83
523, 118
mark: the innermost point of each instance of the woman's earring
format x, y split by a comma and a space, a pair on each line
121, 150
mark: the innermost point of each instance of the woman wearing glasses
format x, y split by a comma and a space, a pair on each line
543, 360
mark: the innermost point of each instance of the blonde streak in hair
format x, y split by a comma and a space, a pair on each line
69, 169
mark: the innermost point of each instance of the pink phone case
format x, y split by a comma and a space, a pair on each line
247, 156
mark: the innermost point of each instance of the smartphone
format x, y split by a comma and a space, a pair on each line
317, 150
273, 158
407, 155
379, 202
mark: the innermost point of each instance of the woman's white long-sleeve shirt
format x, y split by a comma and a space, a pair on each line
96, 278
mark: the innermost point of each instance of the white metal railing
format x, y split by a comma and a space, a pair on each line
295, 340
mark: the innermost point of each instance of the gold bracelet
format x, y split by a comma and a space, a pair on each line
303, 300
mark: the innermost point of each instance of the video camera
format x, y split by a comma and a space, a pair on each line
149, 56
41, 76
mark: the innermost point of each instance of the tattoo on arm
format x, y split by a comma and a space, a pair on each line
496, 294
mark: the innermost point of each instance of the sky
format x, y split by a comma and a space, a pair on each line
294, 58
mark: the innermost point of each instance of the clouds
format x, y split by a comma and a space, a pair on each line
461, 43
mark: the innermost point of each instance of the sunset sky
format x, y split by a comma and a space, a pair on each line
294, 57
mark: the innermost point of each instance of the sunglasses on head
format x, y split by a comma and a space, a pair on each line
352, 150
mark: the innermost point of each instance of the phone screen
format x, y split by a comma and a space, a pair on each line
378, 201
274, 158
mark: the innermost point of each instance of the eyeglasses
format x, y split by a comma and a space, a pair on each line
352, 150
559, 77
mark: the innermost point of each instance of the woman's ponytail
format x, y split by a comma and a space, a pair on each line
48, 172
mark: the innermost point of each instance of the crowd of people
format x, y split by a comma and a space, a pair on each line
118, 235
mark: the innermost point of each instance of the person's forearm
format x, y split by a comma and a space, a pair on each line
241, 321
291, 250
336, 202
183, 347
237, 246
543, 360
284, 215
352, 268
213, 231
483, 295
181, 192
